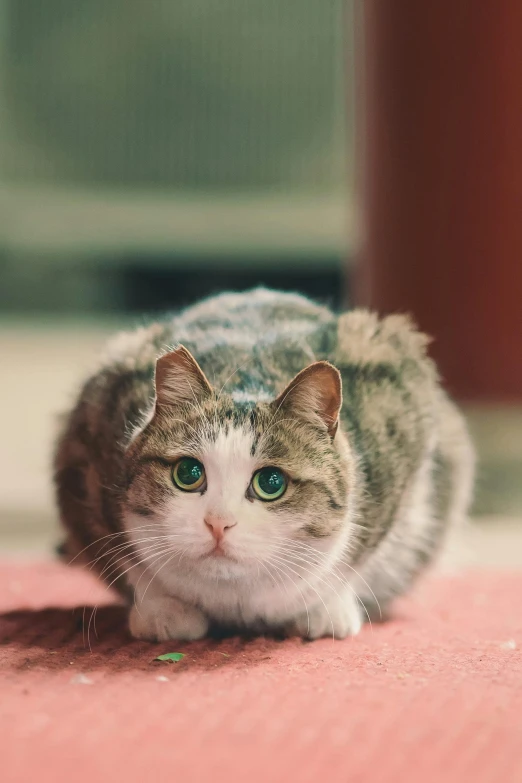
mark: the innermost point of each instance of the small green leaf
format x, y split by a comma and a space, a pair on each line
171, 657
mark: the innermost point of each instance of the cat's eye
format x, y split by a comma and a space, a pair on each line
188, 474
269, 483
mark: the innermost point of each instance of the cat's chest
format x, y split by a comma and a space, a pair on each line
236, 602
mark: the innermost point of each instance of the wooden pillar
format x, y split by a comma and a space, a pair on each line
443, 182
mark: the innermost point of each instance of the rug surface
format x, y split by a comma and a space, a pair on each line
435, 695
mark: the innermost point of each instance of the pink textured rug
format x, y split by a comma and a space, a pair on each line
435, 695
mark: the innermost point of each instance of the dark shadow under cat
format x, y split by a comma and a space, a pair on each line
89, 638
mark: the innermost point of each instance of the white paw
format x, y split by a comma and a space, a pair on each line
164, 618
338, 617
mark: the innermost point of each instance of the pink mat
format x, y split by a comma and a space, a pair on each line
435, 695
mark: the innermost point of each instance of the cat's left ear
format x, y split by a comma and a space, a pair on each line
314, 394
179, 379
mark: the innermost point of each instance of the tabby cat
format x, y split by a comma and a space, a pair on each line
259, 463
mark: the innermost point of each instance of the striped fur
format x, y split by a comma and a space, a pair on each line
372, 487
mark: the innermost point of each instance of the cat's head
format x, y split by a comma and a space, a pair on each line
233, 489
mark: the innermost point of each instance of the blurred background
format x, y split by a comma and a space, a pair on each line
154, 153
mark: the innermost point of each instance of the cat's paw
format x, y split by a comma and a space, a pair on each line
165, 618
338, 618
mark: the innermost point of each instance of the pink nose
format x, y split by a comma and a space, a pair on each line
218, 525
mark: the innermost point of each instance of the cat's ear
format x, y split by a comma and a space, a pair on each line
179, 379
314, 394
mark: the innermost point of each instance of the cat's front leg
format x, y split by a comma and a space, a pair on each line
157, 617
337, 615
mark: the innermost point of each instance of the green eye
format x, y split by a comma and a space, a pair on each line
269, 483
188, 474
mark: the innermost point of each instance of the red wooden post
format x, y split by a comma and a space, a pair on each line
443, 182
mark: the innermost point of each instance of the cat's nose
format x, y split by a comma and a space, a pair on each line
218, 525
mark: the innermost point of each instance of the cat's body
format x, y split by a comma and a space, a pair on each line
369, 487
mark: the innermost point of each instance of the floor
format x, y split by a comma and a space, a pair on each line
434, 695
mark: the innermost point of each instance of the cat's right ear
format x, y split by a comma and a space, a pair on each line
179, 379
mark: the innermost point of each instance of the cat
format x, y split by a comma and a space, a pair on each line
259, 463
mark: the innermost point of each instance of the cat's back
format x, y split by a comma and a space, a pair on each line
255, 316
234, 320
254, 341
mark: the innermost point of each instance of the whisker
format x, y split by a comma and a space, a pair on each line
137, 556
336, 575
315, 591
108, 587
154, 576
279, 570
170, 549
109, 535
344, 562
363, 580
122, 547
280, 581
